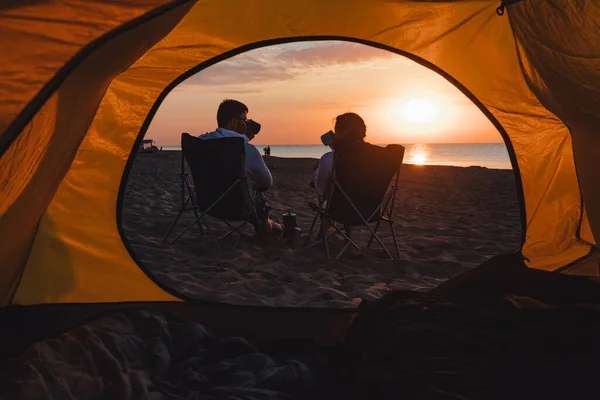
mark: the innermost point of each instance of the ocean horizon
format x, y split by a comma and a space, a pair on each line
488, 155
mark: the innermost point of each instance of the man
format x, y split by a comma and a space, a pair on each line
232, 122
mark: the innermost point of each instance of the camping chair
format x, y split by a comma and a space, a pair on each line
220, 185
359, 193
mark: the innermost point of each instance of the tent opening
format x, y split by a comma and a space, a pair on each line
458, 204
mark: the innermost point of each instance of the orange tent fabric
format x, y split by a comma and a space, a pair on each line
79, 83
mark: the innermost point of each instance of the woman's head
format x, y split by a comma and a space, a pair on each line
350, 126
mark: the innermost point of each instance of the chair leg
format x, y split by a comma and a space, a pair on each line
343, 250
240, 229
237, 239
365, 223
199, 224
324, 232
312, 226
214, 239
395, 238
184, 207
192, 200
350, 240
172, 226
233, 230
337, 230
323, 235
380, 242
186, 229
372, 236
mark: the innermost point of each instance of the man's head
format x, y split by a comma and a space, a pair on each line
350, 126
232, 115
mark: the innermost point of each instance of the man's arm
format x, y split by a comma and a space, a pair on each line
257, 170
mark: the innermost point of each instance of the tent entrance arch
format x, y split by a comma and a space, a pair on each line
200, 67
93, 116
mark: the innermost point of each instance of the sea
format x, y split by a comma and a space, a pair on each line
489, 155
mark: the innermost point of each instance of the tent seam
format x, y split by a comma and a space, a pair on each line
68, 68
32, 107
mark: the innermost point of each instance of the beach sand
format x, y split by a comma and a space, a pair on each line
447, 219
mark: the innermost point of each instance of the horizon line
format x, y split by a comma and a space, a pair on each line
321, 144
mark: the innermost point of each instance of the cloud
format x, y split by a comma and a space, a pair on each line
241, 72
242, 91
283, 63
347, 105
333, 54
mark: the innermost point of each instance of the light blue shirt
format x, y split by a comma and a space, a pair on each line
258, 174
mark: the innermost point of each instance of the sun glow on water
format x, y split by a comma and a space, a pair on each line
418, 155
419, 158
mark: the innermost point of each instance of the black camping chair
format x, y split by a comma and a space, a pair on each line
359, 193
220, 188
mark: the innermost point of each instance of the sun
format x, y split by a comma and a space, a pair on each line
419, 110
418, 116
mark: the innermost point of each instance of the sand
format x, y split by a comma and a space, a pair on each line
447, 219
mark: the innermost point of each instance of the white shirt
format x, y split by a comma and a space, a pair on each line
256, 170
323, 173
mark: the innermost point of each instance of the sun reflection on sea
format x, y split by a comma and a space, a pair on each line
419, 154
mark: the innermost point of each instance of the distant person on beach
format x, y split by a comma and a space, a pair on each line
268, 150
233, 122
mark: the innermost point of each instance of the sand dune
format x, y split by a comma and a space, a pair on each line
447, 219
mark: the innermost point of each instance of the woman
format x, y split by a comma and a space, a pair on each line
350, 130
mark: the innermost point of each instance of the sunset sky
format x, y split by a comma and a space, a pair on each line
296, 90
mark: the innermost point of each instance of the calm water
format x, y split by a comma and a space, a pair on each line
490, 155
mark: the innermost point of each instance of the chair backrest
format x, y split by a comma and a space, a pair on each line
216, 165
364, 172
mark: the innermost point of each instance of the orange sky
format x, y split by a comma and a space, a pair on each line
296, 90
